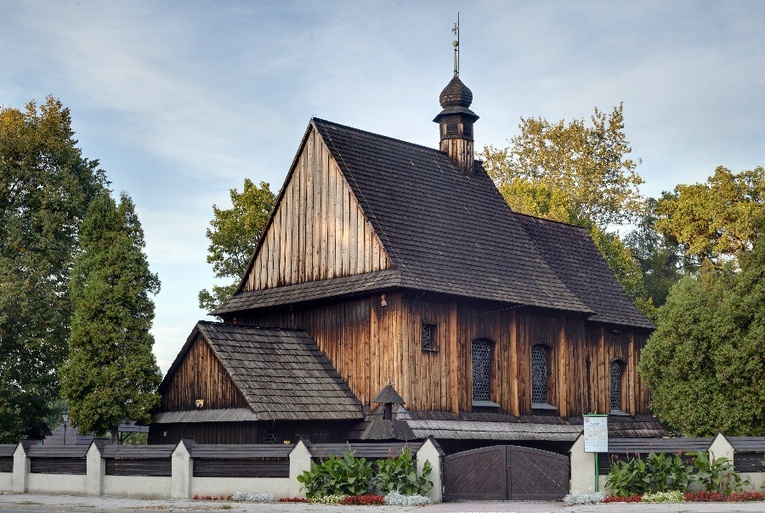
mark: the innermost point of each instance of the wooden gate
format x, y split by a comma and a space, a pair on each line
505, 472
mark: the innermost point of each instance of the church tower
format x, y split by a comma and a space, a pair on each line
456, 119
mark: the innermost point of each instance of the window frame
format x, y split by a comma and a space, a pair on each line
433, 329
547, 404
483, 400
622, 365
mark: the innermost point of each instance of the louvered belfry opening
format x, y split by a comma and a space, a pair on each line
456, 124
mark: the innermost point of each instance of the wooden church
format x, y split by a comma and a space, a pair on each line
395, 296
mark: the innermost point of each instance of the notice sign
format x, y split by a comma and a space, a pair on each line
595, 433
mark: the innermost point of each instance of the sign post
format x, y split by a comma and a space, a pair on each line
596, 438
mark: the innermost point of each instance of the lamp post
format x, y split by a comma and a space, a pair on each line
65, 418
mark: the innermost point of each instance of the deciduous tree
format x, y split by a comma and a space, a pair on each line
586, 165
111, 374
234, 234
45, 187
716, 220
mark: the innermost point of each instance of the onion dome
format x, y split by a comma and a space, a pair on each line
456, 94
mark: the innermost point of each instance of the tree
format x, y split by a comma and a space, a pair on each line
234, 235
588, 166
717, 220
660, 257
111, 374
705, 364
45, 187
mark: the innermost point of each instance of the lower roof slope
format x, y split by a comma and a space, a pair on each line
282, 373
570, 252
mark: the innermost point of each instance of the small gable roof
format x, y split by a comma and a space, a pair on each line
282, 374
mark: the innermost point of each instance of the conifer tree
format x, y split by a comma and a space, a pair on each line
111, 374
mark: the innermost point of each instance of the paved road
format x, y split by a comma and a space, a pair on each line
73, 503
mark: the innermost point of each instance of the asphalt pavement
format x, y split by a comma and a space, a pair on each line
101, 504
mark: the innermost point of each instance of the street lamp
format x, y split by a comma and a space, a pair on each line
65, 418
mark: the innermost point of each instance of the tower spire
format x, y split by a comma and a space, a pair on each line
456, 119
456, 44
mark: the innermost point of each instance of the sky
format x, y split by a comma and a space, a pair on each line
180, 101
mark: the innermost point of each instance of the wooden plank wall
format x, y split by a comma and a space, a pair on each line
369, 344
201, 376
318, 231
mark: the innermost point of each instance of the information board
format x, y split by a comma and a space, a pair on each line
595, 433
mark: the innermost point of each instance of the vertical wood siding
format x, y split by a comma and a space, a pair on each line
201, 376
369, 344
318, 231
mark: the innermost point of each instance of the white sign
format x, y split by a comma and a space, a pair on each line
595, 433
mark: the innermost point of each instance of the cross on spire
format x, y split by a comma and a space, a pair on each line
456, 44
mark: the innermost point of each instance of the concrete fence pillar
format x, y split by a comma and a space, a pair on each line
300, 461
21, 468
721, 448
430, 451
582, 469
96, 470
182, 471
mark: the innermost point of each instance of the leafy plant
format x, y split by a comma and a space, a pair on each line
348, 475
399, 474
627, 478
667, 473
716, 474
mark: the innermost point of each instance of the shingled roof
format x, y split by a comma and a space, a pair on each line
451, 232
281, 373
570, 252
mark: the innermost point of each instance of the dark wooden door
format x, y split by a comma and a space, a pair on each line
505, 472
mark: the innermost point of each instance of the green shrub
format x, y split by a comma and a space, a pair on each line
627, 478
667, 473
399, 474
716, 475
348, 475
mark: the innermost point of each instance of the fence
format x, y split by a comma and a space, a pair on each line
188, 469
746, 453
184, 470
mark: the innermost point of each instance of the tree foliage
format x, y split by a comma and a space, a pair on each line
705, 364
45, 187
716, 220
573, 171
111, 374
234, 234
660, 257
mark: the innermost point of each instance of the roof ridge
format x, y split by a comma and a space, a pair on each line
375, 134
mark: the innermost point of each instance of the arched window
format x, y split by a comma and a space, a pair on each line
481, 370
617, 375
539, 373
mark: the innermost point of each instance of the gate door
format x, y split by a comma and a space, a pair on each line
505, 472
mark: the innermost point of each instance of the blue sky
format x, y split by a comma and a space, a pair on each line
181, 100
